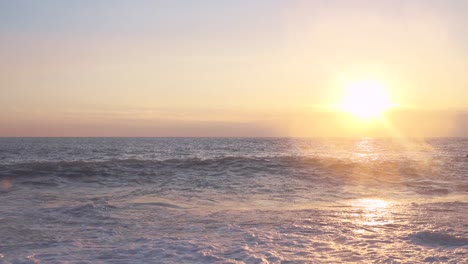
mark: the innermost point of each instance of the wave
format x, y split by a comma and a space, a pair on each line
236, 163
296, 160
276, 161
430, 238
196, 171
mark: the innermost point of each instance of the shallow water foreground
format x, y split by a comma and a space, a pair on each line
153, 230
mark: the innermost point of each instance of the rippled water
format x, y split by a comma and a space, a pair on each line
219, 200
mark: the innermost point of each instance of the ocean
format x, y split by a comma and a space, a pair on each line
233, 200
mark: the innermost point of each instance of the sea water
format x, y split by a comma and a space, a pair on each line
233, 200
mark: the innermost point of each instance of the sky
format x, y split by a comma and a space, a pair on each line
230, 68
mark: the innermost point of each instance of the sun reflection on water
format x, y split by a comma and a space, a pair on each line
371, 212
370, 204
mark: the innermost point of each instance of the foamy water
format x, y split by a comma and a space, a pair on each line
186, 200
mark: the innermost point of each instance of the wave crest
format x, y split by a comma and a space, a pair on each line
303, 168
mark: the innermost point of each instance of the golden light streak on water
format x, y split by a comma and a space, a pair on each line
370, 204
371, 212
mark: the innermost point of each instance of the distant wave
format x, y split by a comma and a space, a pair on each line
237, 163
234, 171
267, 164
184, 162
307, 168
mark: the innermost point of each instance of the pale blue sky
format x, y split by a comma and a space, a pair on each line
176, 17
162, 18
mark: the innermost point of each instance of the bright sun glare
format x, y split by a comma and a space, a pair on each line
365, 99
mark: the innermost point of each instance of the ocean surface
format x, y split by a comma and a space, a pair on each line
233, 200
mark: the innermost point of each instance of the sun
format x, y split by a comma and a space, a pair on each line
365, 99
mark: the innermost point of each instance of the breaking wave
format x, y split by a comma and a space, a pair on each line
241, 164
